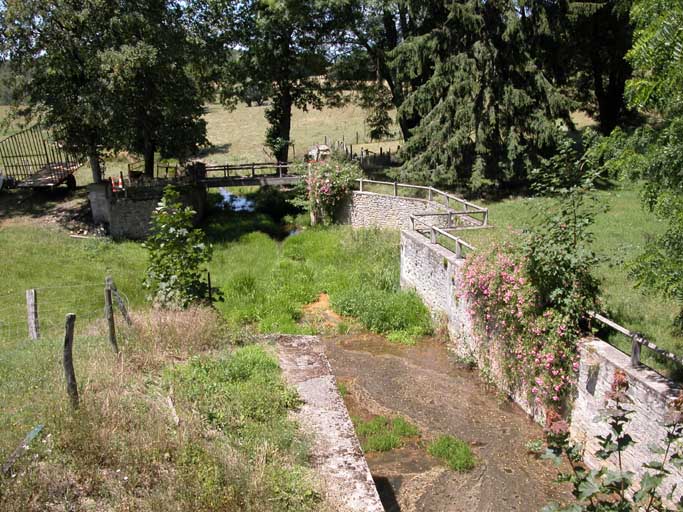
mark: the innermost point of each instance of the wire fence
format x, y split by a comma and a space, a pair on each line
53, 303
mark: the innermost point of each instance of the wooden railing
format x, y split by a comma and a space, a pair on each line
430, 194
637, 341
238, 170
434, 232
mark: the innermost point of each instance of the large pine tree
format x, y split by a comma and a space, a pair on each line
488, 112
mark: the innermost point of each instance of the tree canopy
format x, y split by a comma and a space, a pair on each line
106, 75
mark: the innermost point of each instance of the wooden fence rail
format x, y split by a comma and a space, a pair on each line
637, 341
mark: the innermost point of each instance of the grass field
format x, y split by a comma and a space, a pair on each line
180, 421
620, 234
237, 136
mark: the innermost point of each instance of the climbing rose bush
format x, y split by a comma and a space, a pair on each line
327, 183
539, 345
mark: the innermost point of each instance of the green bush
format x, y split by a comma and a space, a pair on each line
177, 255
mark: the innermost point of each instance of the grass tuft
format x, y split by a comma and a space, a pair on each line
381, 434
456, 453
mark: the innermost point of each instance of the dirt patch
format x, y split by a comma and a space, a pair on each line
65, 209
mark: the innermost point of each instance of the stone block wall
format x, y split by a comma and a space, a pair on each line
435, 274
128, 214
650, 396
368, 209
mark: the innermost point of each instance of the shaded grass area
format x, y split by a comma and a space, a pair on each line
179, 422
620, 235
454, 452
381, 434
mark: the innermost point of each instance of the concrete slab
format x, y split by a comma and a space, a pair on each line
336, 453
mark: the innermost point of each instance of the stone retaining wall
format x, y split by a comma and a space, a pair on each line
127, 214
368, 209
434, 273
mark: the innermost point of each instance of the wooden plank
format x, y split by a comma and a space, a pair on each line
32, 312
21, 449
68, 361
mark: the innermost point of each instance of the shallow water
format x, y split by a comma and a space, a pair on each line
234, 202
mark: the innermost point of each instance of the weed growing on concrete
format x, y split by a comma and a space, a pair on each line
381, 434
455, 452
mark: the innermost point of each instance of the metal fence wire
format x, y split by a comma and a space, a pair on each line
86, 300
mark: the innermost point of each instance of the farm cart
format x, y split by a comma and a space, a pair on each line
33, 159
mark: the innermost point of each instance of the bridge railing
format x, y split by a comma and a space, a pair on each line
432, 194
251, 170
440, 236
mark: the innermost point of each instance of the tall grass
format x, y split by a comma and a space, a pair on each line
266, 283
156, 429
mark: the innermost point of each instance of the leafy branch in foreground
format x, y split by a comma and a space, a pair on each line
616, 490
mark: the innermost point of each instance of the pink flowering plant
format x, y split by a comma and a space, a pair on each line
327, 184
539, 345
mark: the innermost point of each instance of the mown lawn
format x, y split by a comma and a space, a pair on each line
620, 234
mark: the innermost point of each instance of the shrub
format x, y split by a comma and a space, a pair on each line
177, 253
538, 345
616, 490
456, 453
327, 183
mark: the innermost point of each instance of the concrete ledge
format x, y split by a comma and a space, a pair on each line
336, 452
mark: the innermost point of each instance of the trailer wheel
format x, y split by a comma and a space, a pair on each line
71, 182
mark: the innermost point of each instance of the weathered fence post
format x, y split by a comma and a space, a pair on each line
253, 171
109, 313
68, 361
119, 300
32, 310
635, 350
326, 140
395, 187
208, 281
357, 138
432, 234
361, 184
431, 194
458, 250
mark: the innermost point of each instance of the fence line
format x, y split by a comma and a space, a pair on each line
21, 318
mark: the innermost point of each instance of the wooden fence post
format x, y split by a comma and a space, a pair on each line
119, 300
635, 350
208, 279
68, 361
109, 313
32, 310
395, 187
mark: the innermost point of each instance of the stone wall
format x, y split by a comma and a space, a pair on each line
650, 396
127, 214
368, 209
434, 273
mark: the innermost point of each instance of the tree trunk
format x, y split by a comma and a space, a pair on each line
284, 124
149, 157
95, 167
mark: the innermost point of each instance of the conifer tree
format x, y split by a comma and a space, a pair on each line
488, 113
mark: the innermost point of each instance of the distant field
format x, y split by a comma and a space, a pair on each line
620, 235
237, 136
